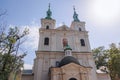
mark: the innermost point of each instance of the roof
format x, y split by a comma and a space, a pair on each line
29, 71
68, 59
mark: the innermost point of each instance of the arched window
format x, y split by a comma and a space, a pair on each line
80, 29
47, 27
46, 41
72, 79
82, 42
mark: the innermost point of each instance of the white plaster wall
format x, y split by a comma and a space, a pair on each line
56, 38
93, 70
77, 25
50, 23
38, 69
54, 52
43, 62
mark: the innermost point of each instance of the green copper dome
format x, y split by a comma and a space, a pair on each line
49, 13
67, 47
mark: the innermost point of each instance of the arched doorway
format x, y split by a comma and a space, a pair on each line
72, 79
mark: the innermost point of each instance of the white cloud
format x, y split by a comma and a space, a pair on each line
32, 38
104, 13
31, 43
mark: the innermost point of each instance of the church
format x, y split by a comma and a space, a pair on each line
63, 53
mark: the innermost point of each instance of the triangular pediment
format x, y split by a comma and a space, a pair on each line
73, 66
63, 27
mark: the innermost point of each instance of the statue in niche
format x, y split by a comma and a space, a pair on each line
65, 42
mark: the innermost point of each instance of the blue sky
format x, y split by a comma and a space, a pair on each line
102, 19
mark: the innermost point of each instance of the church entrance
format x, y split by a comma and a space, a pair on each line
72, 79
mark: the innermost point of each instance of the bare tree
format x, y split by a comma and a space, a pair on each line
11, 60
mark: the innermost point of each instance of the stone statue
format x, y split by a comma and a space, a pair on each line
65, 42
75, 16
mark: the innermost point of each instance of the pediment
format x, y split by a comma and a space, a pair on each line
63, 27
70, 70
73, 66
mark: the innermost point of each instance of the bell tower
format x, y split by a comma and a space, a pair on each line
47, 25
48, 22
76, 23
83, 39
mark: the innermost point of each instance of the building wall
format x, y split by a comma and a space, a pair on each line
48, 55
27, 77
45, 60
70, 71
103, 76
56, 37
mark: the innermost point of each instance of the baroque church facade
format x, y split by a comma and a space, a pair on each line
63, 53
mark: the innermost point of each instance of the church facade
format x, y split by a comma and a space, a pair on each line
63, 53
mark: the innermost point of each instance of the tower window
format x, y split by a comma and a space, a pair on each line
46, 41
82, 42
80, 29
47, 27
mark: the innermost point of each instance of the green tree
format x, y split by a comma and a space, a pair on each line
100, 56
11, 59
114, 61
110, 58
